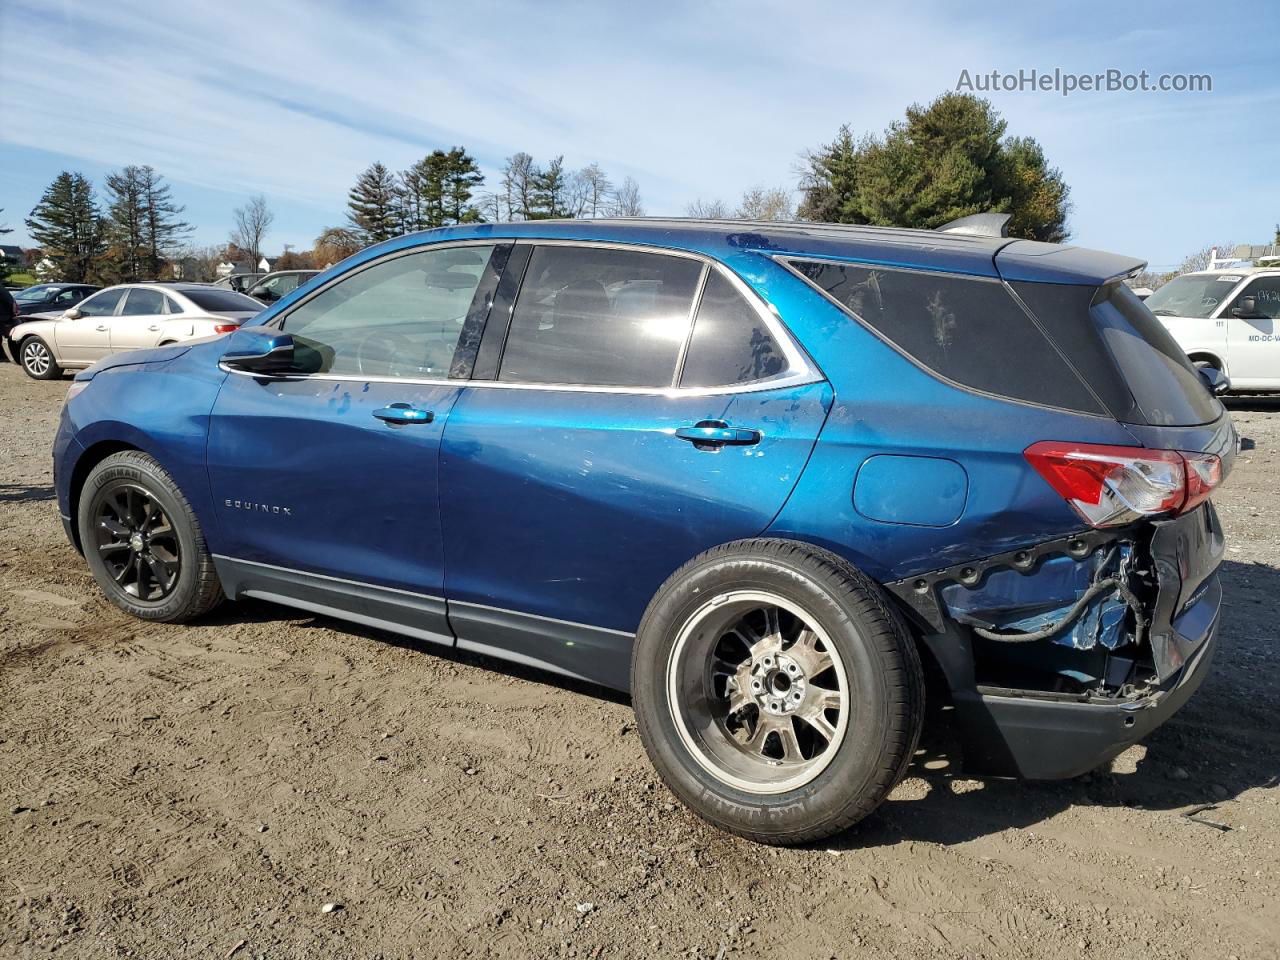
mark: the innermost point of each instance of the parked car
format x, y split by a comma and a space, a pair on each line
1227, 320
126, 317
276, 285
52, 296
239, 282
747, 472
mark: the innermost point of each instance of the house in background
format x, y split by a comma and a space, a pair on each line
12, 257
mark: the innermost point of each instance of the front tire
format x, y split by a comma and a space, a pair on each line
143, 542
776, 691
37, 359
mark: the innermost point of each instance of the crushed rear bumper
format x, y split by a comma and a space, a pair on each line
1040, 733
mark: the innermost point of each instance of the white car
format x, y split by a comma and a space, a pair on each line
1227, 319
126, 317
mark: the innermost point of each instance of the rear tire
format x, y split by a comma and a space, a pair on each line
37, 359
143, 542
783, 727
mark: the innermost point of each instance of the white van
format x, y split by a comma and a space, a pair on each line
1227, 319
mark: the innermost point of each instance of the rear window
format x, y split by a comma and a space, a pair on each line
966, 329
1123, 352
222, 301
1165, 385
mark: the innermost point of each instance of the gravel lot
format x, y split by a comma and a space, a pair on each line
206, 791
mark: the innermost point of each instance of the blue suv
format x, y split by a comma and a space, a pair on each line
764, 477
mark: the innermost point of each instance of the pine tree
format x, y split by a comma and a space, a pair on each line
461, 178
549, 191
162, 231
374, 205
943, 161
422, 193
66, 225
126, 211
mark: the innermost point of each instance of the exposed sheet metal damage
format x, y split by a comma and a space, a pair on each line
1094, 615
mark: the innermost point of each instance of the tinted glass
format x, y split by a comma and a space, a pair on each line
1266, 298
963, 328
1192, 295
399, 318
222, 301
171, 305
101, 305
142, 303
601, 317
730, 343
1165, 385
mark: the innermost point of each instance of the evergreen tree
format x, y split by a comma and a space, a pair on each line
944, 161
422, 193
550, 189
66, 225
126, 212
162, 231
462, 177
374, 205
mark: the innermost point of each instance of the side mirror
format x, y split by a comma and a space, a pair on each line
263, 293
259, 350
73, 314
1246, 307
1214, 379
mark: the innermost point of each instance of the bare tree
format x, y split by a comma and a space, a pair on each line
199, 264
773, 203
253, 220
708, 209
1200, 259
519, 178
595, 189
626, 201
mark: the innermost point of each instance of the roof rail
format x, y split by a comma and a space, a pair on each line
979, 225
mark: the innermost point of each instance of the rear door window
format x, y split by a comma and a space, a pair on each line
602, 317
143, 303
730, 344
968, 330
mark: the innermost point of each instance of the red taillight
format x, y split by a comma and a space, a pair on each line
1109, 485
226, 327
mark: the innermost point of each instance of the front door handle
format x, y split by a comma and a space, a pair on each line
403, 413
717, 433
154, 327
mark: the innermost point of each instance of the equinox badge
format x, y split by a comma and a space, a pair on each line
258, 507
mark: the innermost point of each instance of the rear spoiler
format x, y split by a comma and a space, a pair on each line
1035, 262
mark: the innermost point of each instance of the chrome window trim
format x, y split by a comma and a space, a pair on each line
800, 369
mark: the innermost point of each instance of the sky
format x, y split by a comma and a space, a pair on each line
697, 100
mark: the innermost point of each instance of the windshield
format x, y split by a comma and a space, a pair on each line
1192, 294
38, 292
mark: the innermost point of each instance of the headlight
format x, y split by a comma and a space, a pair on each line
75, 388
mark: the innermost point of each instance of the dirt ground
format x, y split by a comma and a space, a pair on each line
209, 790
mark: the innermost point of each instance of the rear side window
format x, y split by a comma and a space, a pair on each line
968, 330
594, 316
730, 343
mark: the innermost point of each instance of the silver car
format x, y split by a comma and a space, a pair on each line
130, 316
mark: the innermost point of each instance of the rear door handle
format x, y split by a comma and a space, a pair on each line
403, 413
102, 329
717, 433
154, 327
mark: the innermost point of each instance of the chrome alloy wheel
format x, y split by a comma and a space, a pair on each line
136, 542
36, 358
758, 692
